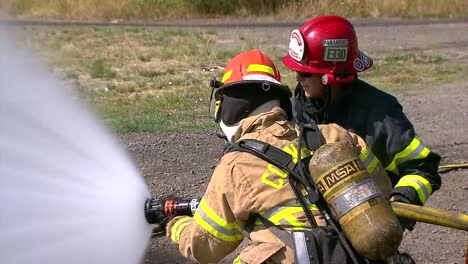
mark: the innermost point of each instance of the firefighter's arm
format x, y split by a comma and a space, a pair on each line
214, 231
413, 166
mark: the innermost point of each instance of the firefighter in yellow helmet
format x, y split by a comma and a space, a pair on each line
251, 103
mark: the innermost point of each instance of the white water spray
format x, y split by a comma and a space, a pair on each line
68, 192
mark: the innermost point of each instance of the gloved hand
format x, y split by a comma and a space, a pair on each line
405, 223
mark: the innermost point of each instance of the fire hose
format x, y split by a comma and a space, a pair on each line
450, 167
430, 215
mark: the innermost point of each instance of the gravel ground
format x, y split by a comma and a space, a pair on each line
181, 163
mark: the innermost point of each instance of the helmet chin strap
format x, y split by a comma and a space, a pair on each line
233, 132
328, 98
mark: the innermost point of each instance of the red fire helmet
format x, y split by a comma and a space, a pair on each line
327, 45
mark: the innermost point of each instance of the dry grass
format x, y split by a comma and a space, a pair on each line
381, 8
179, 9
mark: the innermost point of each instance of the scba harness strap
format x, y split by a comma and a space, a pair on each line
303, 245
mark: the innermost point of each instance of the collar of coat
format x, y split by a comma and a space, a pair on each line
263, 120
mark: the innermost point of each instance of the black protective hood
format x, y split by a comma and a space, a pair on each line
241, 98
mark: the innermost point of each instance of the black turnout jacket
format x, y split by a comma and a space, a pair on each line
378, 118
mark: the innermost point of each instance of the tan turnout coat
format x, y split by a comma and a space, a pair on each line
243, 184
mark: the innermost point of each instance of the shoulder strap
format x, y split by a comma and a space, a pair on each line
268, 153
282, 160
310, 132
278, 231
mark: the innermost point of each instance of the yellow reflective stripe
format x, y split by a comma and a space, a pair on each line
178, 227
364, 153
415, 150
226, 76
420, 184
371, 168
284, 215
260, 68
238, 261
369, 159
215, 225
292, 151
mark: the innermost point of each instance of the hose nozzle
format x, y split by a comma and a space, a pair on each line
154, 211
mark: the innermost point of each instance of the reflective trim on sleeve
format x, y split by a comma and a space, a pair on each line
178, 227
369, 159
420, 184
284, 215
415, 150
215, 225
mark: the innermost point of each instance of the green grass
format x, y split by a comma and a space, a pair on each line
147, 79
173, 112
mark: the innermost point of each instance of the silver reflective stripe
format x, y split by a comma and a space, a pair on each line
413, 154
354, 196
300, 248
368, 159
216, 226
414, 150
278, 210
421, 185
274, 210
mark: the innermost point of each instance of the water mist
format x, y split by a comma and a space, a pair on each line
68, 191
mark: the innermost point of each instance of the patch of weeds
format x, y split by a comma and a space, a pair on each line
166, 53
134, 116
226, 54
172, 32
211, 32
56, 44
127, 88
144, 57
105, 32
111, 86
149, 115
152, 39
135, 29
100, 68
413, 57
170, 71
150, 73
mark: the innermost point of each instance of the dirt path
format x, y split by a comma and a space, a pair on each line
181, 163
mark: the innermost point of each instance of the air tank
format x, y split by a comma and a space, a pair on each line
356, 201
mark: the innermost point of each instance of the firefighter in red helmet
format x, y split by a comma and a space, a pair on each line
324, 54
